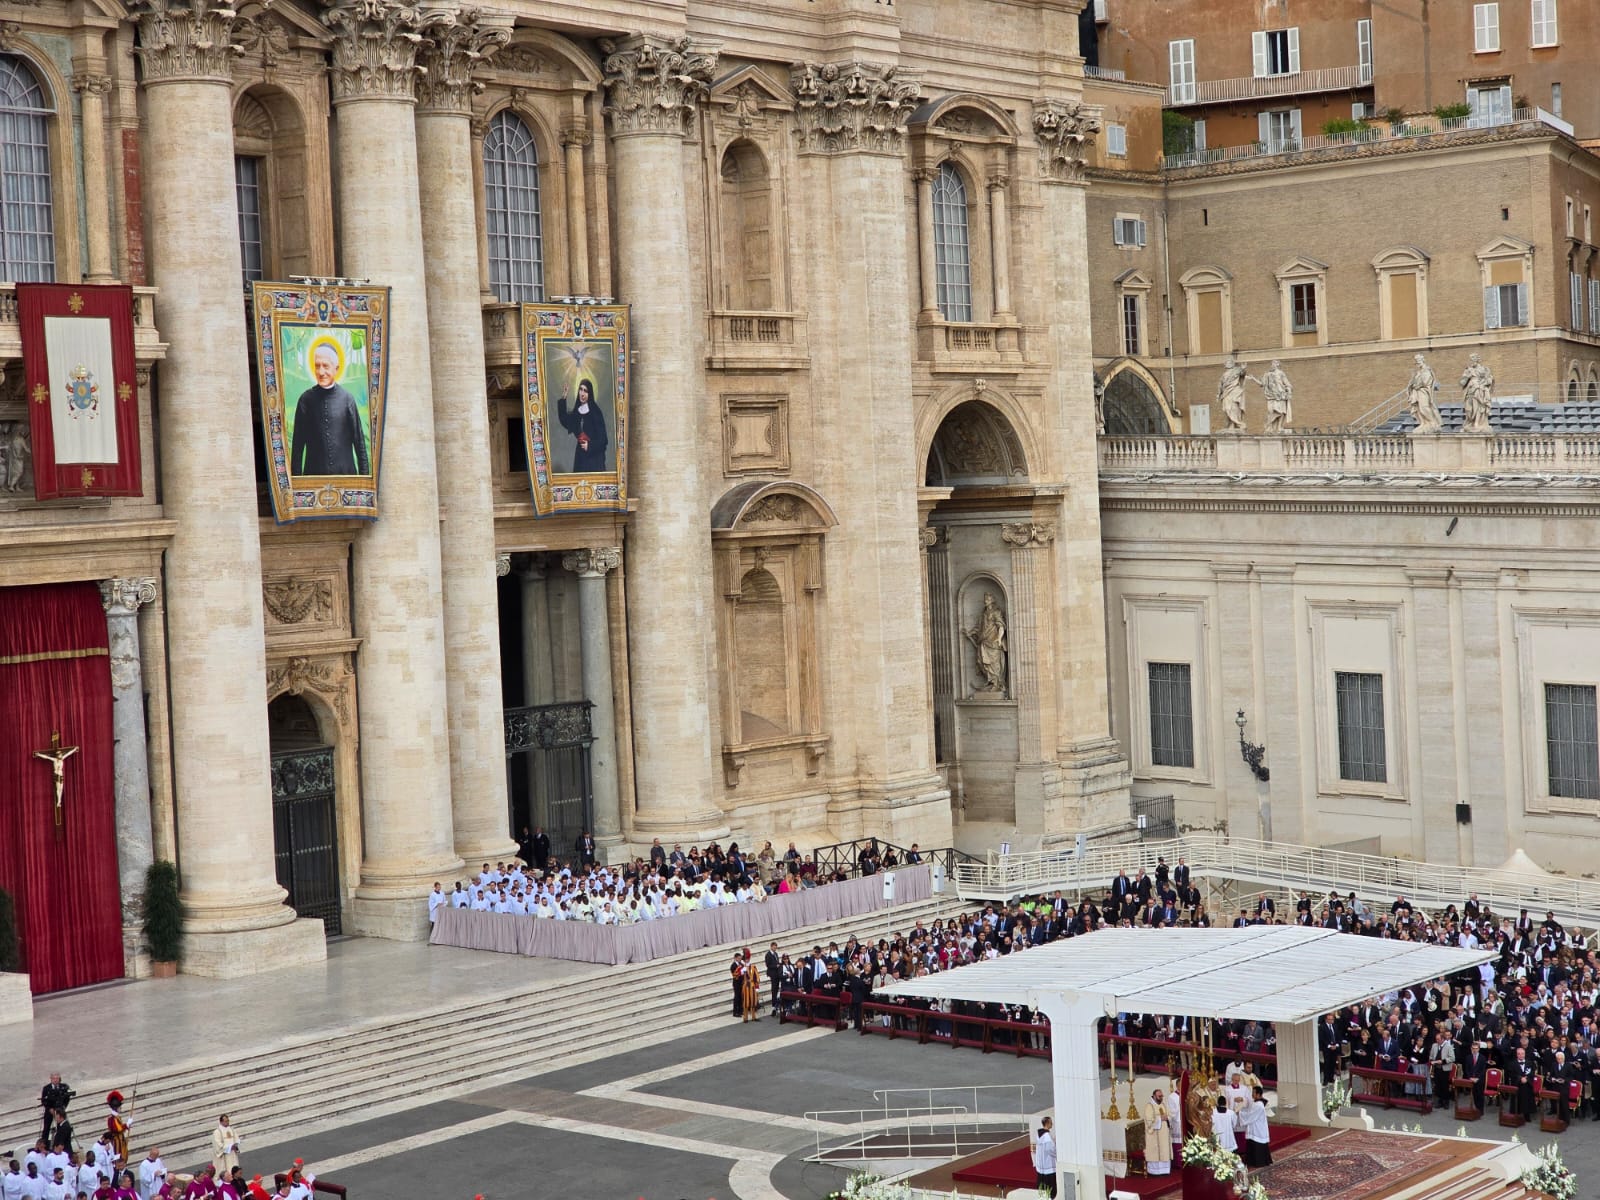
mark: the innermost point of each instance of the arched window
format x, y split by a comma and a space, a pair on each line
952, 258
27, 240
746, 229
511, 206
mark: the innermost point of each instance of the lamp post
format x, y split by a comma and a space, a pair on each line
1253, 753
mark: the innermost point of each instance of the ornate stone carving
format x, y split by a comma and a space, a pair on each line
852, 106
15, 455
375, 45
291, 601
1028, 533
592, 562
576, 133
774, 509
251, 119
92, 85
451, 55
928, 537
1063, 130
10, 35
502, 565
653, 85
185, 39
126, 595
303, 673
262, 38
517, 59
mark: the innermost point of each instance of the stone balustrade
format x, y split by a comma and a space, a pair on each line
146, 341
1354, 453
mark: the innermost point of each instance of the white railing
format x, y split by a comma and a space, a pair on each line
1576, 454
1258, 87
934, 1123
1116, 74
1294, 868
1408, 130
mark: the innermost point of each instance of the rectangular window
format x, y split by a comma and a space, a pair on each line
1208, 319
1544, 23
1358, 111
1505, 305
1303, 301
1180, 62
1555, 99
1485, 28
1488, 104
1116, 140
1572, 748
1403, 316
1130, 324
1128, 231
1200, 135
1279, 130
1364, 48
1171, 719
1588, 225
1594, 306
1577, 302
1359, 701
1572, 217
247, 187
1275, 52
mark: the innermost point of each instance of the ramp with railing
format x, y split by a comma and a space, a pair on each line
922, 1123
1292, 868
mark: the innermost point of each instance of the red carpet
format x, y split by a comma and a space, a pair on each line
1016, 1169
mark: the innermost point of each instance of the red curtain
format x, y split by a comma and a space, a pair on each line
55, 676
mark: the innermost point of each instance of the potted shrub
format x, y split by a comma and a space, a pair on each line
163, 919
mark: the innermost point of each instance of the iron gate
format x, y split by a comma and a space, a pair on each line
305, 833
547, 767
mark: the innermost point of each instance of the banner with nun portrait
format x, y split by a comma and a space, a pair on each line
322, 359
575, 406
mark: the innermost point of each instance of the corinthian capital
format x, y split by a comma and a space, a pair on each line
451, 53
653, 84
1026, 534
185, 39
375, 45
1063, 130
593, 562
841, 107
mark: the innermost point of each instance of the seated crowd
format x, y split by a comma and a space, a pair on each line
666, 884
1531, 1013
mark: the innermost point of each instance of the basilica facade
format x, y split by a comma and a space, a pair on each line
856, 588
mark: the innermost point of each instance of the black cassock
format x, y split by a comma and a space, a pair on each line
589, 425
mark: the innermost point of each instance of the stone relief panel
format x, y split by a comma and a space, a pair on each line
310, 605
755, 434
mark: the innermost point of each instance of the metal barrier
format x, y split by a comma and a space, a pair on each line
846, 856
1279, 865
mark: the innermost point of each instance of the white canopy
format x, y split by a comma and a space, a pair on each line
1267, 972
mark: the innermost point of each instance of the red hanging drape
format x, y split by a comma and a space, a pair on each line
55, 676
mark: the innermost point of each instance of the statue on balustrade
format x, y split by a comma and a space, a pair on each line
989, 642
1230, 394
1419, 397
1477, 393
1279, 393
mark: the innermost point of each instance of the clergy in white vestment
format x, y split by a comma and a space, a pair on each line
1253, 1120
1157, 1135
152, 1174
224, 1147
1225, 1125
1175, 1116
436, 900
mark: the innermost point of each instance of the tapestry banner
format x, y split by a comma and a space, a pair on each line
575, 406
83, 391
322, 360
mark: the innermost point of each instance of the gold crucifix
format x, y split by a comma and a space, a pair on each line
57, 757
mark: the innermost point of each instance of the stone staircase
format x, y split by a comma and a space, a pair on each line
401, 1061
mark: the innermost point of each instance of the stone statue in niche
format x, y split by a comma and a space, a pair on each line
13, 454
1477, 394
988, 640
1099, 407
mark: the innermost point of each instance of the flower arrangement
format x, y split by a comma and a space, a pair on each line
1334, 1097
1551, 1176
865, 1186
1226, 1167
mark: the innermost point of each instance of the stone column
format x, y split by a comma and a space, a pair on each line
1094, 768
538, 673
850, 122
92, 91
574, 139
485, 291
935, 541
1000, 245
927, 272
461, 436
653, 87
235, 919
591, 567
407, 819
130, 765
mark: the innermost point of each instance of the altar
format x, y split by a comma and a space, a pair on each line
1122, 1147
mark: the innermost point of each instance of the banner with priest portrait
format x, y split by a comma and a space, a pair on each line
322, 357
575, 406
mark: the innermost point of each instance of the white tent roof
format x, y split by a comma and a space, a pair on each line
1266, 972
1520, 864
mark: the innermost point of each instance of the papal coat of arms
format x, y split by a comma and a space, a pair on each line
83, 393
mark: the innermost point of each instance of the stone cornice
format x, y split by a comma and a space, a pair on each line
181, 41
653, 85
375, 45
450, 55
1063, 130
850, 107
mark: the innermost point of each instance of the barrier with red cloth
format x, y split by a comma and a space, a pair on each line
1015, 1169
1391, 1079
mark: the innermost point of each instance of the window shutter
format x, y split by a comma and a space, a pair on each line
1258, 55
1294, 50
1522, 304
1116, 233
1200, 134
1294, 124
1263, 128
1138, 232
1491, 308
1576, 292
